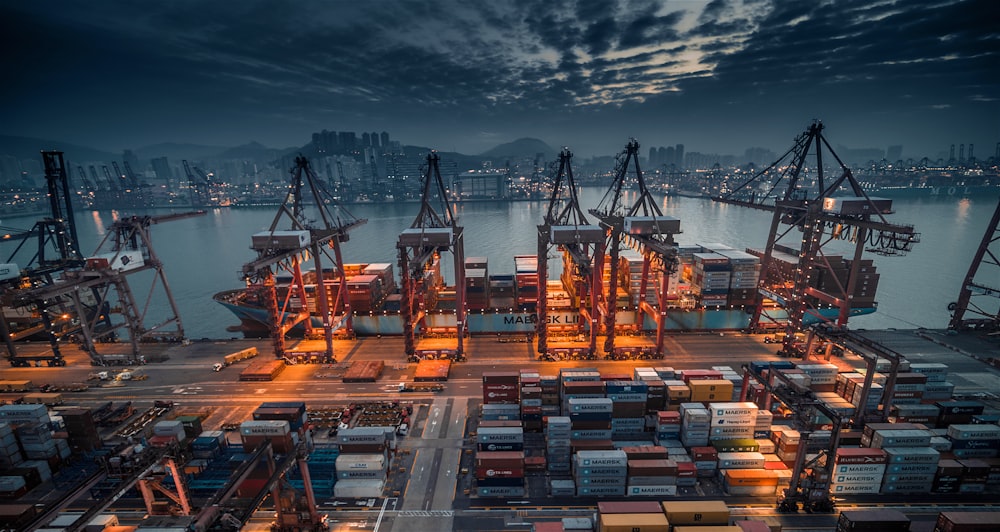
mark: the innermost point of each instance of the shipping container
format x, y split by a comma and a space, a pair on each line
632, 522
681, 513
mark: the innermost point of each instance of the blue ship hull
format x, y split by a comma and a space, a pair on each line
254, 320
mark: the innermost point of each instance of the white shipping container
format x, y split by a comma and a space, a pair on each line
264, 428
974, 432
371, 462
358, 488
500, 435
912, 455
601, 458
741, 460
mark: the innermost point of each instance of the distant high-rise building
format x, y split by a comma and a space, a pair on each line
161, 167
375, 142
385, 139
669, 157
347, 141
894, 153
663, 156
366, 139
653, 160
679, 155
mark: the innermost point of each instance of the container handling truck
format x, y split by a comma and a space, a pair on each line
233, 358
406, 387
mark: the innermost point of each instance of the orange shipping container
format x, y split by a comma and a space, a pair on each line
633, 523
751, 477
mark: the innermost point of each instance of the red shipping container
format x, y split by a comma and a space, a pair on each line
500, 459
701, 374
704, 454
686, 470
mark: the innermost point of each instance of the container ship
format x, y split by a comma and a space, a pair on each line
713, 289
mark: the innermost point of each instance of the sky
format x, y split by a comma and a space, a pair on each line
718, 76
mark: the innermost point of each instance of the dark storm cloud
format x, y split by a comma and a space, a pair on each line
192, 67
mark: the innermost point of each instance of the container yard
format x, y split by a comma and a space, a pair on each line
597, 405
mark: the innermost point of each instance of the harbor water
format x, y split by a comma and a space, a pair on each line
203, 255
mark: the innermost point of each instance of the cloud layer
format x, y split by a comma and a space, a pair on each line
718, 75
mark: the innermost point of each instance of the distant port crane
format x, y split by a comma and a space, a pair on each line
811, 210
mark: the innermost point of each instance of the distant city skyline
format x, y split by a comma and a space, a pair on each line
718, 76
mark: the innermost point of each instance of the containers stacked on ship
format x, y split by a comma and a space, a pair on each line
711, 276
526, 281
974, 441
873, 521
382, 270
628, 398
500, 473
363, 462
858, 470
745, 270
477, 283
600, 473
967, 522
558, 453
937, 387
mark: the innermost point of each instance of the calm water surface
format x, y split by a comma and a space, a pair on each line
204, 255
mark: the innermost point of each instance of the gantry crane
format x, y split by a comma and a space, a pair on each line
128, 194
582, 244
419, 249
125, 250
287, 249
811, 490
133, 181
644, 227
821, 217
199, 186
975, 284
56, 250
